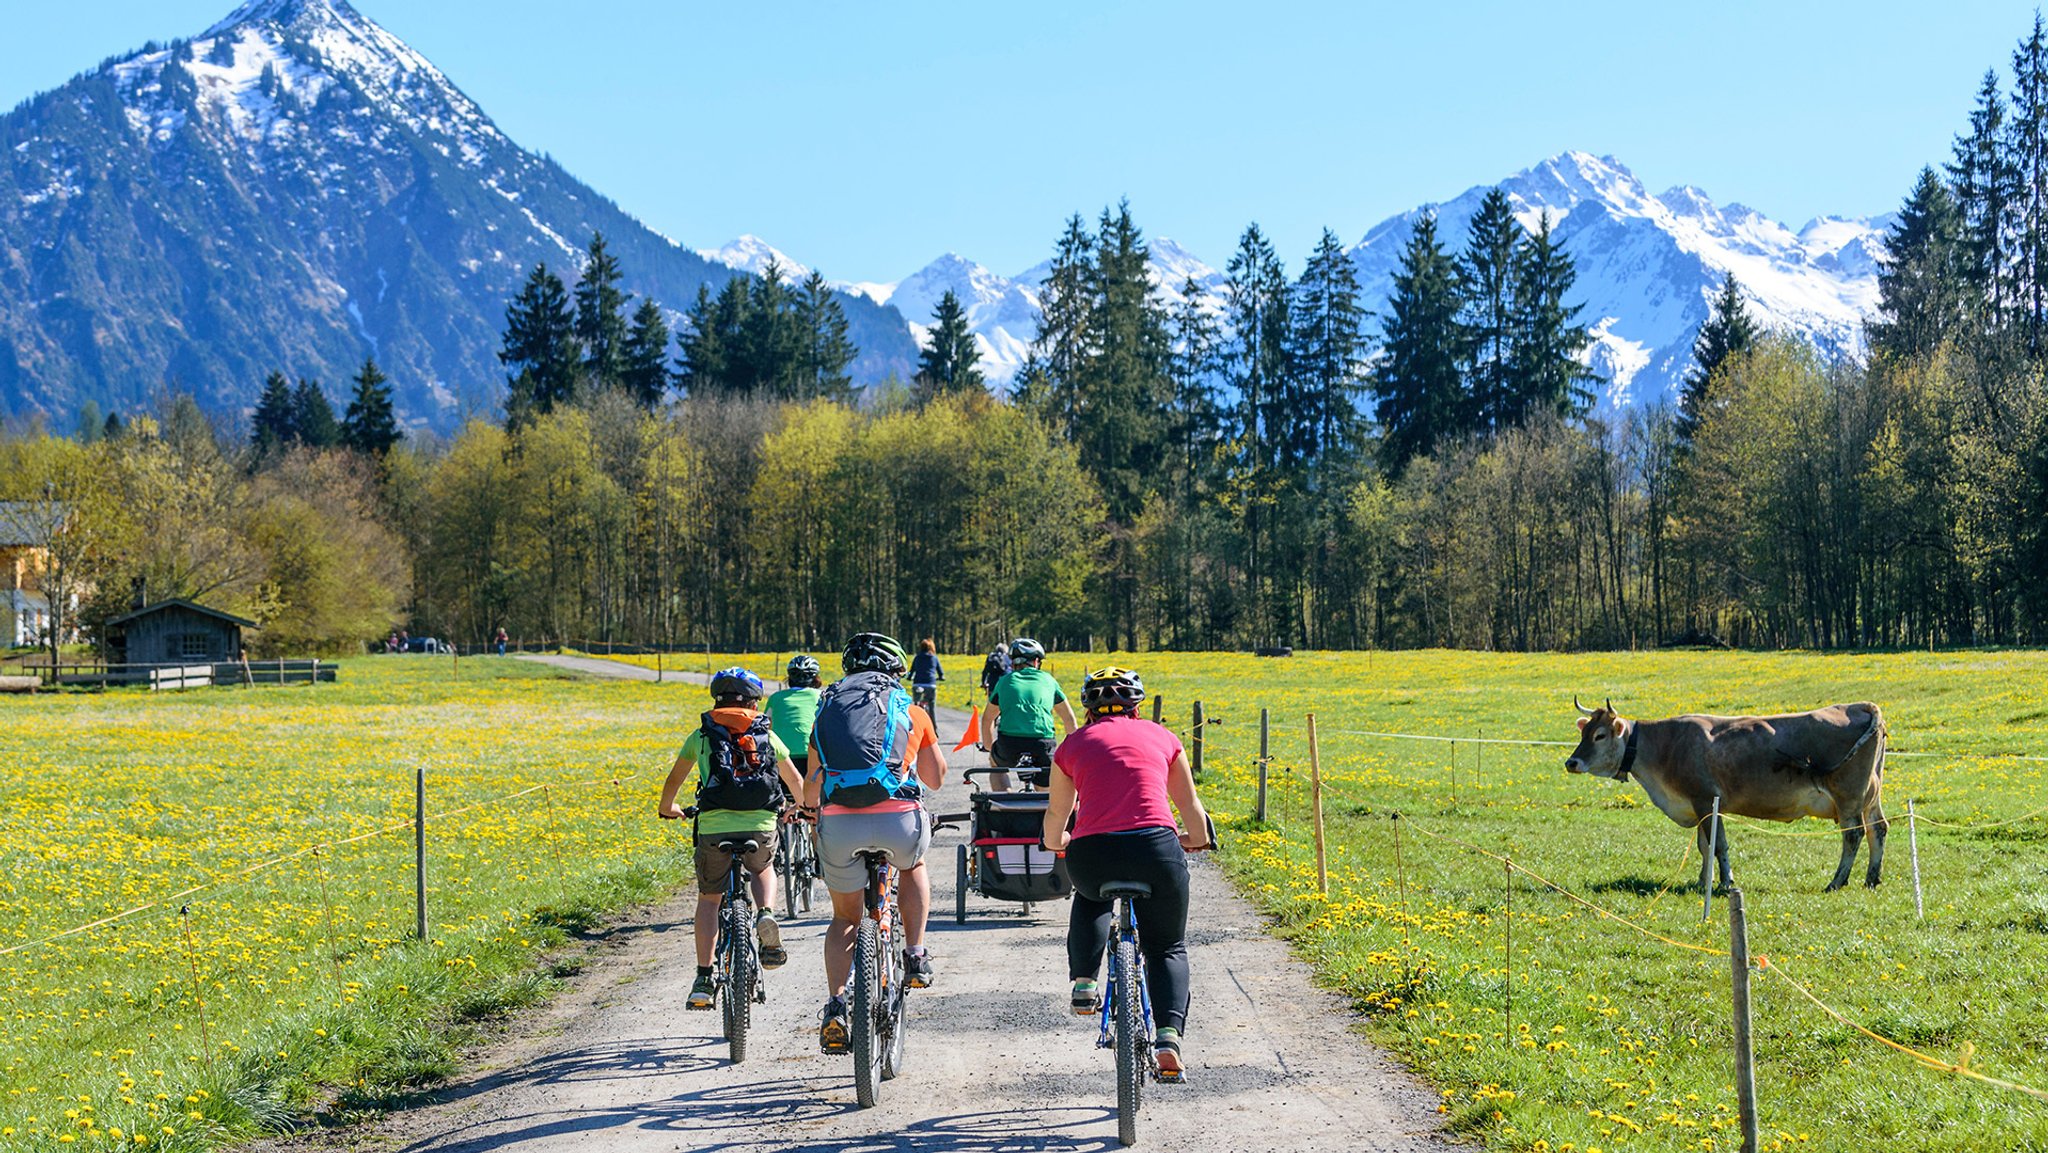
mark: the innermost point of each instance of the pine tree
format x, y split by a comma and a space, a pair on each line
827, 350
1983, 180
1487, 270
1123, 387
1728, 332
1327, 354
371, 424
1256, 291
946, 361
644, 370
702, 367
116, 427
313, 416
771, 337
271, 428
1923, 283
1065, 302
1421, 398
601, 317
540, 348
1194, 354
1547, 342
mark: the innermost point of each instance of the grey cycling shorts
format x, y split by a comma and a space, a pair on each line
904, 837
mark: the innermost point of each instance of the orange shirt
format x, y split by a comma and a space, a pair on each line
922, 735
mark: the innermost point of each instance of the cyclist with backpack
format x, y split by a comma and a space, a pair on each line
925, 675
1017, 726
873, 755
994, 667
1122, 772
744, 781
792, 711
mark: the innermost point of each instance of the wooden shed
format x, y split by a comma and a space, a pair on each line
175, 632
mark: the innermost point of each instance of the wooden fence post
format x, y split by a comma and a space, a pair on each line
1196, 758
1158, 705
1745, 1058
1508, 869
1265, 735
1315, 792
1454, 774
1913, 842
419, 850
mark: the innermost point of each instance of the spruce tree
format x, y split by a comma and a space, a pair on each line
1728, 332
313, 417
271, 428
1256, 292
701, 370
1065, 302
1547, 341
2027, 148
771, 337
116, 427
644, 370
601, 317
1924, 282
1983, 179
1194, 351
371, 424
1487, 270
1123, 387
1421, 398
946, 361
1327, 355
540, 349
828, 351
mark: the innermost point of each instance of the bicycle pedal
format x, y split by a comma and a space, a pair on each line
1165, 1078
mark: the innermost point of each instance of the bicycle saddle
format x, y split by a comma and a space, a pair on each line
1115, 889
737, 845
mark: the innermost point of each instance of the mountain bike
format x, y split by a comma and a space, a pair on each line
736, 961
796, 864
1127, 1007
879, 986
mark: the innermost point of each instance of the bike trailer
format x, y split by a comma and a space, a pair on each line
1009, 863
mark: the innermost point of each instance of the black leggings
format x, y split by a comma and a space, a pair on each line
1153, 856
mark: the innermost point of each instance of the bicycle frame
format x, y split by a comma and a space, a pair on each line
1126, 929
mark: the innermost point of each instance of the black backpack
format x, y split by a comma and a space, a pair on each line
862, 733
739, 768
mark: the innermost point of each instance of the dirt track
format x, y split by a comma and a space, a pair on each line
995, 1061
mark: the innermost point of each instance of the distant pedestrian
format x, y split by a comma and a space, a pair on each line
925, 675
501, 638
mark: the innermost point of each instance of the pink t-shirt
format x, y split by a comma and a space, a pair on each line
1118, 766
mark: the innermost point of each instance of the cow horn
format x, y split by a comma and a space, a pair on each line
1583, 710
1610, 704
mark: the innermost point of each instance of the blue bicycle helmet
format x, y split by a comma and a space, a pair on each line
737, 684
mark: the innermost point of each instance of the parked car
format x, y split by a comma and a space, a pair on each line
424, 645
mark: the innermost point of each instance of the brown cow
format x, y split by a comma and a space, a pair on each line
1826, 763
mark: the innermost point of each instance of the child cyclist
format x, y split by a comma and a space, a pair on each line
792, 711
744, 781
1122, 771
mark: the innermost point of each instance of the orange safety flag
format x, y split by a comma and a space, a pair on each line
973, 733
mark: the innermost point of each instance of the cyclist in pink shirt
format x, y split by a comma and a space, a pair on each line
1123, 777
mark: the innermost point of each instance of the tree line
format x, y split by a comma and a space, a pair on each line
1268, 466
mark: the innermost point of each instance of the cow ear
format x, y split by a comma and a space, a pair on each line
1582, 724
1617, 726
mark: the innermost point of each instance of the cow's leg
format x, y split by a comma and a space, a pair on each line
1703, 839
1852, 837
1721, 850
1874, 820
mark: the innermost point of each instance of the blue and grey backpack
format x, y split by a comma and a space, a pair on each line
862, 730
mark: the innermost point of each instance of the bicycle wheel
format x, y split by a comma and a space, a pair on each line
809, 881
789, 870
866, 994
896, 1019
1130, 1061
960, 887
740, 976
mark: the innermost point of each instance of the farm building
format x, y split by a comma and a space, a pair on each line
175, 632
25, 527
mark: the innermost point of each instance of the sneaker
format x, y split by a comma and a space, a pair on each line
1166, 1055
773, 955
835, 1032
1087, 999
703, 993
917, 968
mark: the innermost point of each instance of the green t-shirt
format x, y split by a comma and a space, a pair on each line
791, 713
722, 822
1026, 697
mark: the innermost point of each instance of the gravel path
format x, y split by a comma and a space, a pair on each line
995, 1062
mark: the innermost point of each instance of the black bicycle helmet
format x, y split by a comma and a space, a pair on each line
1025, 649
804, 671
875, 653
1110, 691
736, 684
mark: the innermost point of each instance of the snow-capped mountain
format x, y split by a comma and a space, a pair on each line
294, 189
1648, 266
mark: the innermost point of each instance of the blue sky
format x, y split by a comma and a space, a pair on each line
868, 138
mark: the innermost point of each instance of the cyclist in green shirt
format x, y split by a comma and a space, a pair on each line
1017, 727
744, 781
792, 711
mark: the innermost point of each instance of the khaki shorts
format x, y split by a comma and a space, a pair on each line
715, 864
